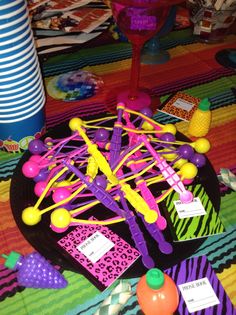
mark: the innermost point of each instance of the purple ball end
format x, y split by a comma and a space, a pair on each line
147, 112
101, 135
36, 146
186, 151
198, 159
168, 137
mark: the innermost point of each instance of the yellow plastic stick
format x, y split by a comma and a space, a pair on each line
126, 157
50, 183
99, 119
139, 204
82, 208
144, 117
55, 205
137, 174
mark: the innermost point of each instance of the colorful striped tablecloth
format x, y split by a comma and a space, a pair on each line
192, 69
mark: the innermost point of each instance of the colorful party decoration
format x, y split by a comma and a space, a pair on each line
115, 163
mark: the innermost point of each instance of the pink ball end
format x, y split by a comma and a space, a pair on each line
30, 169
35, 158
60, 194
187, 181
186, 197
58, 230
39, 188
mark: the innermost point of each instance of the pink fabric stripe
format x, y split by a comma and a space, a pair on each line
9, 288
8, 279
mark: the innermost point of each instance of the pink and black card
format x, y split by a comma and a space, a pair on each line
102, 254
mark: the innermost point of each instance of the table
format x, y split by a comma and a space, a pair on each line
192, 69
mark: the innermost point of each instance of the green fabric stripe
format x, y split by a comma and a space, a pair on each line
4, 156
227, 207
79, 290
87, 53
209, 89
104, 49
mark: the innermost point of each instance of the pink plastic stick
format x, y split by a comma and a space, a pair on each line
169, 173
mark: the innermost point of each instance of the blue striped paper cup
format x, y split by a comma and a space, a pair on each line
17, 111
22, 95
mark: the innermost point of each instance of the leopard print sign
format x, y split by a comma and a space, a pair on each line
112, 264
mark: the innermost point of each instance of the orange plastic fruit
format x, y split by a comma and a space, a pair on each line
157, 293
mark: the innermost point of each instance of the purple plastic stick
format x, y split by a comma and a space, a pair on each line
101, 195
115, 145
65, 140
136, 233
164, 246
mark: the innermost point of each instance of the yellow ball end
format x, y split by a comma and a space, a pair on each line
75, 123
188, 170
178, 164
151, 216
169, 128
31, 216
61, 218
147, 126
202, 145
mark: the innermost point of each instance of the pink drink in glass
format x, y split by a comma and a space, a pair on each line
139, 20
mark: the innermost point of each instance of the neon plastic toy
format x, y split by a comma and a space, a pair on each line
114, 163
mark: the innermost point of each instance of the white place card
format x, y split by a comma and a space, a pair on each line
191, 209
198, 295
95, 246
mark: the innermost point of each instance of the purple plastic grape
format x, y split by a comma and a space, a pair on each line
168, 137
34, 271
186, 151
36, 146
198, 159
101, 134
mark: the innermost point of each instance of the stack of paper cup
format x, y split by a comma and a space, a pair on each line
21, 88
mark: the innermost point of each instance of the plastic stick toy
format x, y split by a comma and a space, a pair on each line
137, 234
170, 175
116, 140
118, 168
148, 197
